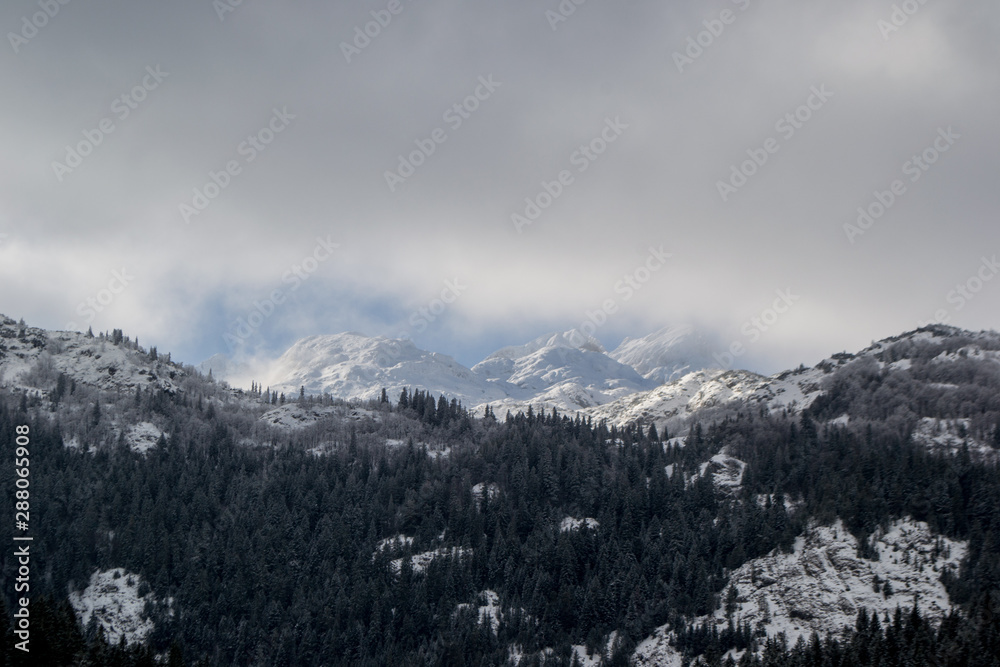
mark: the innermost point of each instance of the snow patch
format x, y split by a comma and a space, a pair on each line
949, 436
143, 437
421, 561
487, 609
112, 600
572, 523
823, 583
481, 489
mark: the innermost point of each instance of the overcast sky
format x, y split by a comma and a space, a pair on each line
115, 113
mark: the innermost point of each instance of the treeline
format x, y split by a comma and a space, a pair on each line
904, 640
273, 543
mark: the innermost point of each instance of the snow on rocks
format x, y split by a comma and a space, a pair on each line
949, 436
36, 360
572, 523
481, 490
823, 583
727, 471
112, 601
420, 562
394, 542
298, 416
142, 437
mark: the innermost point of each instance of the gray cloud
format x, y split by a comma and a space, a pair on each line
656, 184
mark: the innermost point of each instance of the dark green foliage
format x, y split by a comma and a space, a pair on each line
271, 552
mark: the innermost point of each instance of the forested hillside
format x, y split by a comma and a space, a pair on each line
272, 530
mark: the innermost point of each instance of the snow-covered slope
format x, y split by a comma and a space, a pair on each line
352, 365
563, 370
31, 357
672, 404
667, 354
112, 601
823, 583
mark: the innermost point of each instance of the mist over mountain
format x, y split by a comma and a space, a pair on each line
669, 353
720, 515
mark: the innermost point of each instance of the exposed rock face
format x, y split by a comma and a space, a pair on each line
823, 583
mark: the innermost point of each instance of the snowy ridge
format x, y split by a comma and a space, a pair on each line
822, 584
36, 358
667, 354
351, 365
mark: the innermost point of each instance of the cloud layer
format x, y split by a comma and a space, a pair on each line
337, 167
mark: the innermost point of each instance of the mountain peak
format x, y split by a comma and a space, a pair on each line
668, 354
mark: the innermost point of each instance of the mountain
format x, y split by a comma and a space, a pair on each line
809, 501
352, 365
674, 404
668, 354
560, 370
30, 357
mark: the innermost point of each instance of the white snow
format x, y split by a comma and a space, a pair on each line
420, 561
142, 437
488, 609
823, 583
490, 490
35, 362
112, 598
572, 523
667, 354
352, 365
727, 472
946, 436
297, 416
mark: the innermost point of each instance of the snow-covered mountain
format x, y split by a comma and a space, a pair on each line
672, 404
820, 586
668, 354
352, 365
561, 370
936, 359
573, 373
